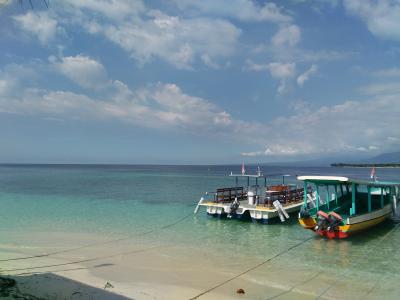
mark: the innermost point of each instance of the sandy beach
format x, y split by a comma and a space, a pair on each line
136, 270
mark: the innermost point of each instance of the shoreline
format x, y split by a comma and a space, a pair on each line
380, 166
169, 272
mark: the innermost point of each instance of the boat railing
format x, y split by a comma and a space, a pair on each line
225, 195
284, 194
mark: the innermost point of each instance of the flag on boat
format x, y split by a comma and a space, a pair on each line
243, 170
373, 175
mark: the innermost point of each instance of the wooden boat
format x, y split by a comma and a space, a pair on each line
340, 206
259, 203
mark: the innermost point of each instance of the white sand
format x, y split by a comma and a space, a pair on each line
163, 271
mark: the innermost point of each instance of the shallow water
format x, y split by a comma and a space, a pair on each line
120, 201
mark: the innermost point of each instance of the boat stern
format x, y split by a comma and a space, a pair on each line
308, 222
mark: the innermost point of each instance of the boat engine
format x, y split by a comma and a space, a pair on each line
334, 221
233, 207
323, 221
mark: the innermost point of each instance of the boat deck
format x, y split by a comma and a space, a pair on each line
246, 206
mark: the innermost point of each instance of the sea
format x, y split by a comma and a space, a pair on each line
125, 201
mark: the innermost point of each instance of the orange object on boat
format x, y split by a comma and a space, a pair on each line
336, 216
323, 214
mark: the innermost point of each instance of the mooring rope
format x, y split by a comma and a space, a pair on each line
339, 277
119, 254
99, 243
83, 260
252, 268
296, 285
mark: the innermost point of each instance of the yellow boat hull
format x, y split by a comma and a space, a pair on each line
352, 225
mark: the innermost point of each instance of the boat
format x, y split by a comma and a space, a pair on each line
260, 203
340, 207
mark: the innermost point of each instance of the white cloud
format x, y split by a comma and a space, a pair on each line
208, 61
324, 55
5, 86
382, 17
147, 34
302, 55
40, 24
4, 3
113, 9
381, 88
280, 71
276, 150
244, 10
180, 42
84, 71
391, 72
252, 66
162, 106
306, 75
353, 126
288, 35
15, 78
144, 33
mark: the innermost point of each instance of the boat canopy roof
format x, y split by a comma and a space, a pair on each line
336, 180
376, 183
324, 179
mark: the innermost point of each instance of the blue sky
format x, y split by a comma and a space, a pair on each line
198, 82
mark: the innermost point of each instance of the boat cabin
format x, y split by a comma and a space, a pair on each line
340, 206
351, 197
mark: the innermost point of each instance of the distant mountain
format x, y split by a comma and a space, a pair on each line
385, 158
391, 159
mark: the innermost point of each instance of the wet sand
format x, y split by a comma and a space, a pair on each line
138, 269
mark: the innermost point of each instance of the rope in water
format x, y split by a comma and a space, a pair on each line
365, 254
99, 243
294, 286
252, 268
102, 257
82, 260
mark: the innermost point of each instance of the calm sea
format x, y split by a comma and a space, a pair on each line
116, 201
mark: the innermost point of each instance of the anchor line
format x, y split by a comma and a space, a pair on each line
251, 269
365, 254
98, 243
83, 260
90, 259
294, 286
377, 281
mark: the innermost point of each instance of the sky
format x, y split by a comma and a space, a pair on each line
198, 82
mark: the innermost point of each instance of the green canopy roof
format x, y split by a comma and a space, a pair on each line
336, 180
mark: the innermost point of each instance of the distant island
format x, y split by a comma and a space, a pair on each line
369, 165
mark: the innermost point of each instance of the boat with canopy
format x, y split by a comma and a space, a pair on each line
255, 200
340, 206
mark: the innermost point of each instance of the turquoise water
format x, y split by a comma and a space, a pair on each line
117, 201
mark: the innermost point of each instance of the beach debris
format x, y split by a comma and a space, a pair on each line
240, 291
108, 285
